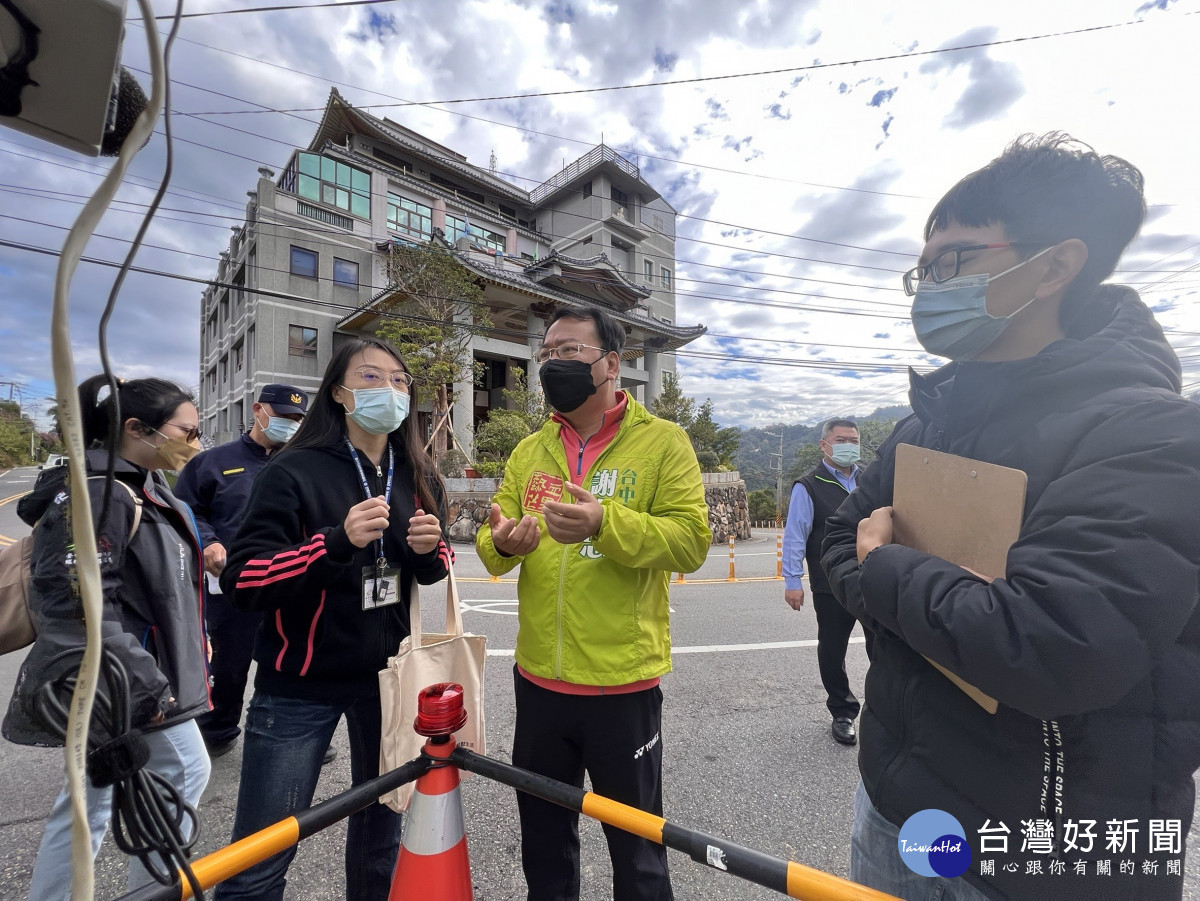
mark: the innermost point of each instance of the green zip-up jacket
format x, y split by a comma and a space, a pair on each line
595, 612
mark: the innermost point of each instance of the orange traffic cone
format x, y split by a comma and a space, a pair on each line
433, 863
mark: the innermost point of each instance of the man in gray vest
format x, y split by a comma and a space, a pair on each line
815, 498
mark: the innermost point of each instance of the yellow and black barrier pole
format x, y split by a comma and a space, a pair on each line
788, 877
253, 849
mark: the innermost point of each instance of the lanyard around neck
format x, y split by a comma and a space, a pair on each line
362, 478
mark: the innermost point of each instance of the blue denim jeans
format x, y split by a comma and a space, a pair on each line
284, 742
176, 753
875, 860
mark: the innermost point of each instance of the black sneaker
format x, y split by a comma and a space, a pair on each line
330, 756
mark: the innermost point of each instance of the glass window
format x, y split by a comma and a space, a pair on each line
649, 269
302, 341
410, 217
333, 183
237, 357
456, 228
345, 273
666, 275
587, 189
309, 187
304, 262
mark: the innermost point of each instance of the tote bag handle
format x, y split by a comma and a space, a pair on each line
454, 623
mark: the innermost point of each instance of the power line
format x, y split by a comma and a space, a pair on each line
723, 298
566, 277
832, 365
784, 71
263, 108
269, 9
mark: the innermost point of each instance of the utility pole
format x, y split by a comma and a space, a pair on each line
778, 467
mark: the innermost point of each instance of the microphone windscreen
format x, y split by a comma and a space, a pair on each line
130, 100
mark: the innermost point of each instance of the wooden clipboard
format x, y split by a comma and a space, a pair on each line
962, 510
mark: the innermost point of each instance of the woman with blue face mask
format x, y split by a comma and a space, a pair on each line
338, 526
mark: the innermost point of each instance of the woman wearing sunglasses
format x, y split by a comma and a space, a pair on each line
338, 526
153, 622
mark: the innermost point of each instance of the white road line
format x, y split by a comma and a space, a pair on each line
715, 648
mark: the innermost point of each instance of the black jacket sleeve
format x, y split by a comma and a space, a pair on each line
435, 565
273, 557
1101, 581
59, 617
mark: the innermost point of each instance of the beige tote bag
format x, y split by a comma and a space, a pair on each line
450, 656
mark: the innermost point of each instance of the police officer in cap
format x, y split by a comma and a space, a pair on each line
216, 483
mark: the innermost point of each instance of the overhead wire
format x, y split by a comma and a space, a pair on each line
834, 364
270, 9
789, 70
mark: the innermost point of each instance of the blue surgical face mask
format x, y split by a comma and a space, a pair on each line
845, 454
378, 410
279, 430
951, 319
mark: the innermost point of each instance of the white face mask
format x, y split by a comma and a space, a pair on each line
378, 411
279, 430
951, 318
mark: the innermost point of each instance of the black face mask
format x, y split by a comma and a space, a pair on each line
567, 383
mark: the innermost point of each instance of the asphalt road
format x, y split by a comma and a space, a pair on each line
747, 747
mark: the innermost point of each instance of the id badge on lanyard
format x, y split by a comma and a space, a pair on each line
380, 582
380, 586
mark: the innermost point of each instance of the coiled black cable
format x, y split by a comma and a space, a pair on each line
151, 820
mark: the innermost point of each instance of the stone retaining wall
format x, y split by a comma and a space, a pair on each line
470, 501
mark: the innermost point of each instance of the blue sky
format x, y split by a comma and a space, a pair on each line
802, 193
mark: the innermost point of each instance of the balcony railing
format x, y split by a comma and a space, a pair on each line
590, 160
324, 215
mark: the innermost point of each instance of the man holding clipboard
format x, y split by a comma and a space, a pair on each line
1051, 706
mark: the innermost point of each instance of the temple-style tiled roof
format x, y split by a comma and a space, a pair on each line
606, 278
340, 119
672, 336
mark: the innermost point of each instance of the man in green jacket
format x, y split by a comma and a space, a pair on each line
598, 508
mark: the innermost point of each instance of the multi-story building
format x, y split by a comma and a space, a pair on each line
308, 266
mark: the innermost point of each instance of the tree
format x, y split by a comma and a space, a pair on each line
715, 447
504, 429
15, 430
672, 404
761, 504
435, 310
496, 437
530, 403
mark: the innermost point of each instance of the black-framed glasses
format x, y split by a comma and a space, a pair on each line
191, 433
568, 351
946, 264
377, 378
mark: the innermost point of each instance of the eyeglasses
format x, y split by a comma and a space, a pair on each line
377, 378
946, 264
565, 351
190, 433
